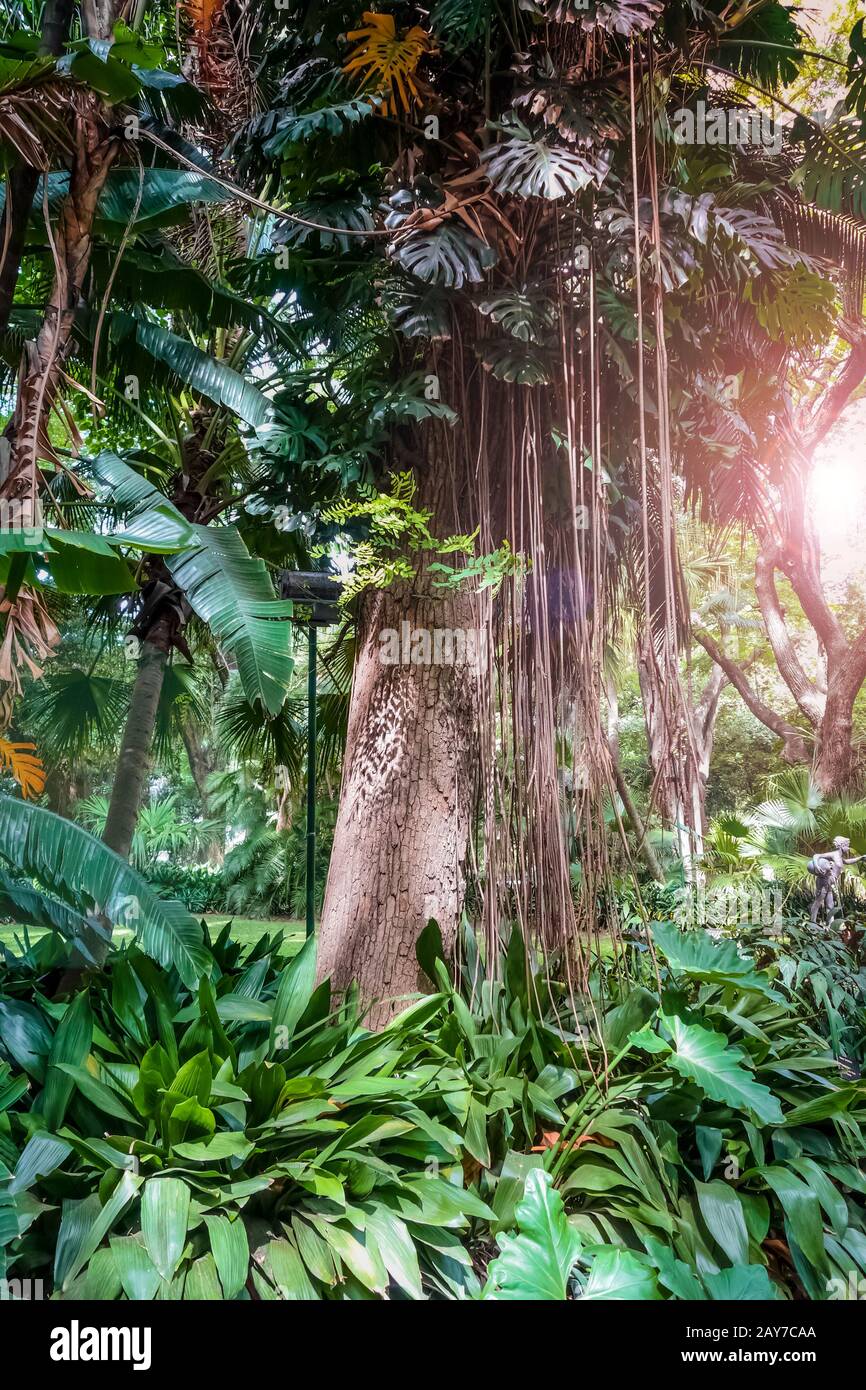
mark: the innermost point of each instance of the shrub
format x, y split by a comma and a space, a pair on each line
676, 1133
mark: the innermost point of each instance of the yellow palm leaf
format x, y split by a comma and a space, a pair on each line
20, 759
385, 62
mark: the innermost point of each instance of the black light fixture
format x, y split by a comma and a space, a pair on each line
316, 599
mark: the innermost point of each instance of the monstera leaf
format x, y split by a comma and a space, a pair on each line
446, 256
230, 590
293, 127
625, 17
419, 313
328, 213
527, 317
833, 171
537, 1262
533, 168
509, 361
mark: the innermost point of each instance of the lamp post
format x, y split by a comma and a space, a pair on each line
315, 595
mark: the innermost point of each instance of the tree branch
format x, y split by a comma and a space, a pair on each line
794, 750
804, 691
836, 398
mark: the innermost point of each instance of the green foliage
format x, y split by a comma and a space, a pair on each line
231, 591
199, 887
397, 530
257, 1143
537, 1262
535, 168
671, 1164
448, 256
68, 864
161, 828
833, 170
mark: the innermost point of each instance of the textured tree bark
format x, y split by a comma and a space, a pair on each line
133, 763
23, 180
43, 359
404, 823
834, 767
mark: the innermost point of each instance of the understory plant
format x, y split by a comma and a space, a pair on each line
676, 1129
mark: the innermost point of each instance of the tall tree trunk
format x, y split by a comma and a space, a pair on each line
133, 764
43, 359
679, 797
404, 822
23, 180
201, 767
833, 766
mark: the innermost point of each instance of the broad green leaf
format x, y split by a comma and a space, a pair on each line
724, 1218
802, 1213
230, 591
674, 1274
205, 374
42, 1154
297, 983
81, 870
716, 1066
361, 1258
315, 1251
829, 1196
751, 1282
289, 1273
619, 1274
397, 1249
202, 1281
535, 168
71, 1045
194, 1078
149, 520
91, 1224
163, 192
26, 1036
83, 563
212, 1150
138, 1274
101, 1282
104, 1097
695, 953
231, 1251
537, 1262
164, 1219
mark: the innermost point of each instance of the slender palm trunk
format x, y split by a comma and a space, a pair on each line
133, 764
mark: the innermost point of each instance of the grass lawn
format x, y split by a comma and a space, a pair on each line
246, 930
249, 930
